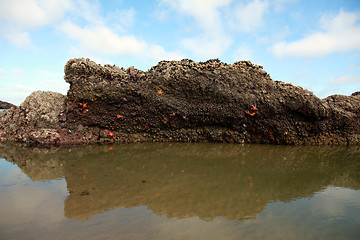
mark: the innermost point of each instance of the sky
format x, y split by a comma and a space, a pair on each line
312, 44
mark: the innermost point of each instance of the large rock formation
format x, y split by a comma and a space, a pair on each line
192, 102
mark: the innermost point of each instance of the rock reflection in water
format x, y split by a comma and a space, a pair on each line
188, 180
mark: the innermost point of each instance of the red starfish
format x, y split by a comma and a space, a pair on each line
254, 108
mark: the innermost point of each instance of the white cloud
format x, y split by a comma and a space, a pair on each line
50, 75
122, 19
87, 10
206, 12
158, 53
93, 34
105, 35
28, 14
212, 41
250, 17
17, 83
101, 40
345, 80
340, 33
161, 13
341, 20
17, 17
206, 46
18, 73
23, 88
18, 37
354, 67
209, 16
280, 5
243, 53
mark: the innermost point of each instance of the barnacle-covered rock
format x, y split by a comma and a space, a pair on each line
186, 101
175, 97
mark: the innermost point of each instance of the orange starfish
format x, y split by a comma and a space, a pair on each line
111, 134
119, 116
251, 114
160, 92
254, 108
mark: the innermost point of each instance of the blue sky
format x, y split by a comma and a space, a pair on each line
313, 44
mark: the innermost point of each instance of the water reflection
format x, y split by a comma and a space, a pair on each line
235, 182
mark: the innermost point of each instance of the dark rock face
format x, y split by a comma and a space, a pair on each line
184, 101
6, 105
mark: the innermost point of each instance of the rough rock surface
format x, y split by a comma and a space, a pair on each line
185, 101
43, 107
36, 120
6, 105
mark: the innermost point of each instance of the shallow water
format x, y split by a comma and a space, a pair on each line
180, 191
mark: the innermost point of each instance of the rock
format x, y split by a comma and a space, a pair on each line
6, 105
44, 107
36, 120
44, 136
182, 101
